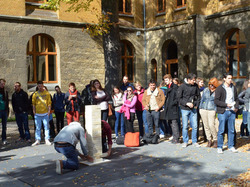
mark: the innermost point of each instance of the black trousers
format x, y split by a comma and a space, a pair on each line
59, 121
129, 124
175, 130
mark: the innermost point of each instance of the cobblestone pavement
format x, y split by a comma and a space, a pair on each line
163, 164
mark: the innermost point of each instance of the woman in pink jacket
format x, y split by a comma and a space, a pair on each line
129, 100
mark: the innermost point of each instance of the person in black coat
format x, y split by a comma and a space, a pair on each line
172, 108
20, 107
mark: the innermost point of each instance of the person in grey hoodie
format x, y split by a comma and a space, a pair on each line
65, 143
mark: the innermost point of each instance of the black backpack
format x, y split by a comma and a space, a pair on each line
120, 140
151, 138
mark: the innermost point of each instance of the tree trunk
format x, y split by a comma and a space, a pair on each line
111, 46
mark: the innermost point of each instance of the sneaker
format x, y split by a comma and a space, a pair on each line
5, 142
37, 142
59, 167
245, 137
233, 150
47, 142
19, 140
224, 146
29, 141
171, 138
196, 145
162, 136
219, 150
184, 145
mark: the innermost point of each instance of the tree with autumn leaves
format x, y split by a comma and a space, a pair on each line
107, 27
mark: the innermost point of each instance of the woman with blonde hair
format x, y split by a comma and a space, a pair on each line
208, 112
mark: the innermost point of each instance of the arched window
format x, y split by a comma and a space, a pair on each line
236, 54
171, 58
42, 59
124, 6
127, 60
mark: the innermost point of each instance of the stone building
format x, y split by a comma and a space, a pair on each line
206, 37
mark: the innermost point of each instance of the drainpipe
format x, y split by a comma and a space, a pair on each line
145, 40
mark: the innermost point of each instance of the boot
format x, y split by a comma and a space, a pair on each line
215, 144
209, 143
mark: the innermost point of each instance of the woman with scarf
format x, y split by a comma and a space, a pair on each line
128, 108
208, 112
73, 103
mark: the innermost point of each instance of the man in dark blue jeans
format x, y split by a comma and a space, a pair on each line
4, 109
65, 143
227, 103
20, 107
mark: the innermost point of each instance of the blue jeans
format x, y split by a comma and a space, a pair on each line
144, 118
23, 125
243, 125
72, 157
140, 121
190, 115
38, 122
228, 118
153, 118
119, 116
3, 116
248, 121
104, 114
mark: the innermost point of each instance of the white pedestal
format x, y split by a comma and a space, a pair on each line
94, 134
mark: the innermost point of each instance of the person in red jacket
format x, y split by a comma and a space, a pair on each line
139, 108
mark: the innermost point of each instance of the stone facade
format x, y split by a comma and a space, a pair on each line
76, 61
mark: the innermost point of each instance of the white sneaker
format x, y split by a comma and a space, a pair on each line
162, 136
233, 150
184, 145
47, 142
171, 138
196, 145
58, 167
5, 142
245, 137
37, 142
219, 150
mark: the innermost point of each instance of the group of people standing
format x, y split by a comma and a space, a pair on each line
162, 107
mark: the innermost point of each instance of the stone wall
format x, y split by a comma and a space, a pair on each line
214, 41
80, 58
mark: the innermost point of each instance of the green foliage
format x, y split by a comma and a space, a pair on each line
103, 25
74, 5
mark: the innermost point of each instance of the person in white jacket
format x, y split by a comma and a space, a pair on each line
117, 103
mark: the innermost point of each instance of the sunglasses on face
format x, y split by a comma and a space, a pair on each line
129, 90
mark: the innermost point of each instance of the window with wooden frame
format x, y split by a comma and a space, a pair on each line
127, 60
161, 6
154, 69
37, 1
42, 59
236, 54
181, 3
124, 6
171, 63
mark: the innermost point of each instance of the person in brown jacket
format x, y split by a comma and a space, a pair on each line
153, 99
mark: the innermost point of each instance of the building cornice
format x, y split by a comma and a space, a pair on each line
42, 21
227, 13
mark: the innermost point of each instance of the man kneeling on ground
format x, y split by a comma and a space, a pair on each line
65, 143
